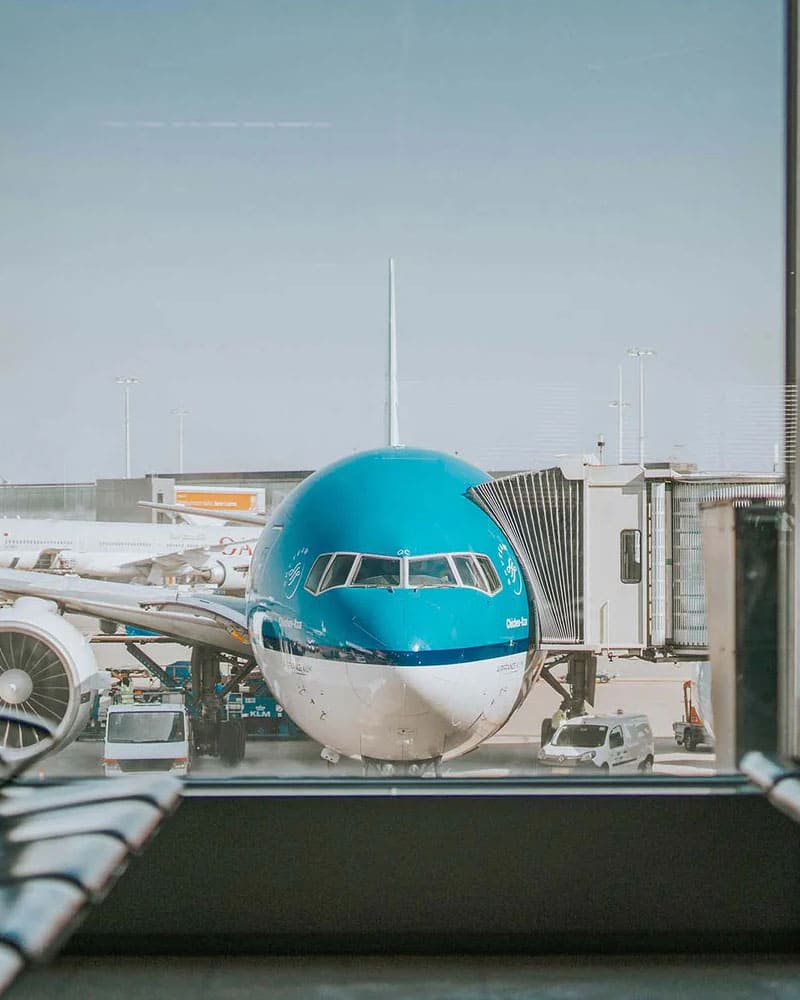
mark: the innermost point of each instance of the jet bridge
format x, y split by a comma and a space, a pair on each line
612, 559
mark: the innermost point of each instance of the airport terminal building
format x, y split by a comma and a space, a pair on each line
118, 499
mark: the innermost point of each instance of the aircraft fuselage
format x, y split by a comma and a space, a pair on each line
387, 611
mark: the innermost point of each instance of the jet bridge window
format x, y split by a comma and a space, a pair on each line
431, 571
630, 555
377, 571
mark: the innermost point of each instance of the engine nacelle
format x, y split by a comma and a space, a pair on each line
46, 668
228, 573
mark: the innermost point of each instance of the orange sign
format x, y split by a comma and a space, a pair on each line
207, 500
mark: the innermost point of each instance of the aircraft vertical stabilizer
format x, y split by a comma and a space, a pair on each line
392, 426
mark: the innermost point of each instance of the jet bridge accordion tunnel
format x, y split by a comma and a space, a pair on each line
612, 559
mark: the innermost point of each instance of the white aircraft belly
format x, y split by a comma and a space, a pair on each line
394, 713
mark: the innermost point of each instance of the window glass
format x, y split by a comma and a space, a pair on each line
377, 571
249, 178
316, 571
145, 727
431, 571
338, 571
630, 555
615, 740
581, 736
469, 573
492, 579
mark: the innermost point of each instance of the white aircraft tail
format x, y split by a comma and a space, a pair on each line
392, 425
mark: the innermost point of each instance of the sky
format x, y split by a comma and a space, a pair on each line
205, 196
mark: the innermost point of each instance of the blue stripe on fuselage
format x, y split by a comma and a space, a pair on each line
398, 658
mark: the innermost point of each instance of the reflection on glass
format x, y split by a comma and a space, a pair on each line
558, 183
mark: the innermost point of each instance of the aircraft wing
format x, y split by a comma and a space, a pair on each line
195, 619
233, 516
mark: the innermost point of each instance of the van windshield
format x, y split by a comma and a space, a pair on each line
580, 736
145, 727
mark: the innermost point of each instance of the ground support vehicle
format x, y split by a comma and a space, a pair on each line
147, 737
690, 731
610, 744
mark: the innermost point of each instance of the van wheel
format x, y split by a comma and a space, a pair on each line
646, 767
604, 769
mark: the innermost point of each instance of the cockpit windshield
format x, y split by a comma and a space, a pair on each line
471, 570
377, 571
338, 571
431, 571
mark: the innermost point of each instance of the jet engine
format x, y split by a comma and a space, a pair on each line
227, 573
47, 668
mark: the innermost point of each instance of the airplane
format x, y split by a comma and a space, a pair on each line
385, 609
134, 553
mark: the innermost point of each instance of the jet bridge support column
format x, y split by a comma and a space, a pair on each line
582, 680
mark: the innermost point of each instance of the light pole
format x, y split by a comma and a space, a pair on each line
180, 414
641, 353
620, 405
127, 382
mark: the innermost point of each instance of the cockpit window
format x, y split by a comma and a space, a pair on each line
490, 573
431, 571
377, 571
470, 574
443, 569
315, 574
337, 573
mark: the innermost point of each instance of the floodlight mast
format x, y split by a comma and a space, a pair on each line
641, 353
620, 404
180, 414
127, 381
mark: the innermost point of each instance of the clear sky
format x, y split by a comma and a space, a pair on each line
205, 195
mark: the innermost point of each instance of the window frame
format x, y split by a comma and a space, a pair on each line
346, 583
636, 535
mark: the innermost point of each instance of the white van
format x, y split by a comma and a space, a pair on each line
147, 738
611, 744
